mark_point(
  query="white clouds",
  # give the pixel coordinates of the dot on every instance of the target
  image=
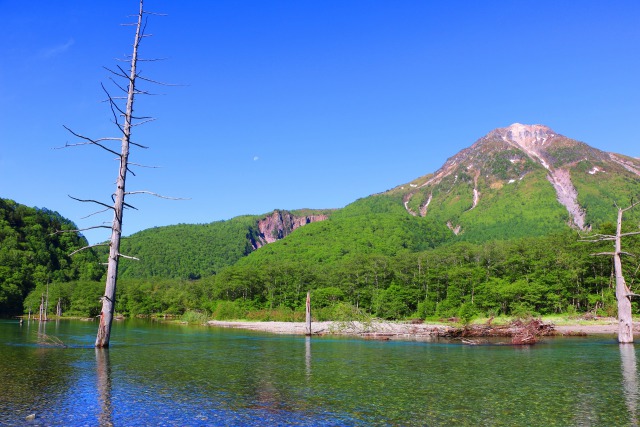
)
(256, 158)
(51, 52)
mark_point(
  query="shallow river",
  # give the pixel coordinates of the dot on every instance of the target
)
(159, 374)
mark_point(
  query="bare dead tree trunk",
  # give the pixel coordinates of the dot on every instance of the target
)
(623, 295)
(108, 300)
(308, 315)
(46, 304)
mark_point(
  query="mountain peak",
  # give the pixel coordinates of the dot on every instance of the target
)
(528, 137)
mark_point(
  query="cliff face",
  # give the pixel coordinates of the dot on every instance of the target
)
(279, 225)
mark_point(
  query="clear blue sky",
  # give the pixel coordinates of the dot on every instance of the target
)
(294, 104)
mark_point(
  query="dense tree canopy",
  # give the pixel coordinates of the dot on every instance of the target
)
(544, 275)
(32, 253)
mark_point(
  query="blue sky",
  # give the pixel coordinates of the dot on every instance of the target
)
(300, 104)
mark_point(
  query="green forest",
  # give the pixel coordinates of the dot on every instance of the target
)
(33, 252)
(522, 277)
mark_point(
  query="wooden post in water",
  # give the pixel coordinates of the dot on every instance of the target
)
(307, 329)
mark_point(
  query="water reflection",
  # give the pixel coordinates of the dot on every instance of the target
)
(307, 356)
(103, 375)
(630, 380)
(177, 375)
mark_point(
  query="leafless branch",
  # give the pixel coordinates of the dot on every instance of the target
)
(87, 247)
(157, 82)
(95, 142)
(128, 257)
(613, 253)
(67, 145)
(146, 92)
(633, 204)
(92, 201)
(117, 74)
(154, 194)
(138, 145)
(594, 239)
(144, 166)
(116, 83)
(113, 107)
(79, 230)
(95, 213)
(143, 122)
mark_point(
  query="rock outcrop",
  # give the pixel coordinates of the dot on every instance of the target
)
(280, 224)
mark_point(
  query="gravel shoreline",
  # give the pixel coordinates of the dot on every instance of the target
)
(396, 330)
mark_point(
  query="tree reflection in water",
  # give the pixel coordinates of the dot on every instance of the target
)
(103, 375)
(307, 356)
(630, 380)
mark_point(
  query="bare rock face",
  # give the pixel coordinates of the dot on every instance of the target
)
(280, 224)
(532, 140)
(528, 143)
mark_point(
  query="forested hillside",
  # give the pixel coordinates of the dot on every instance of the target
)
(31, 253)
(191, 251)
(527, 276)
(186, 250)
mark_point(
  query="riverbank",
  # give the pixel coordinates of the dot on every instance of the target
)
(379, 329)
(373, 328)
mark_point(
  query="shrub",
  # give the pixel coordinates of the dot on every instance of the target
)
(191, 316)
(228, 310)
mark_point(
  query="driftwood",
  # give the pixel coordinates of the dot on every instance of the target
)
(521, 332)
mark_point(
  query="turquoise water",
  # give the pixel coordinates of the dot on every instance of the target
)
(173, 375)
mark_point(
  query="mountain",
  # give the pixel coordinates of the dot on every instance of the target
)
(515, 182)
(523, 180)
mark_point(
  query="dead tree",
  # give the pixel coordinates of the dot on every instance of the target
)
(623, 294)
(125, 121)
(307, 328)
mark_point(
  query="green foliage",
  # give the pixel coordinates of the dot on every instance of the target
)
(426, 308)
(32, 253)
(228, 310)
(187, 251)
(192, 316)
(466, 313)
(325, 297)
(395, 302)
(341, 312)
